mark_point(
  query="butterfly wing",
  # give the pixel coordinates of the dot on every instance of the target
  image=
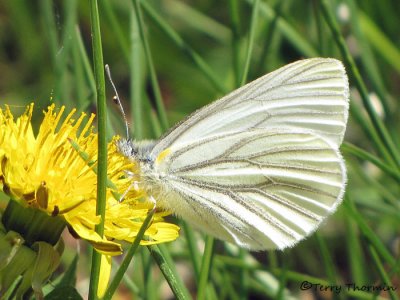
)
(309, 94)
(260, 167)
(260, 189)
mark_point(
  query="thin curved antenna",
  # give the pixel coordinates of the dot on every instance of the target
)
(117, 101)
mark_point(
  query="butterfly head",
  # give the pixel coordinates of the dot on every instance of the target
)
(137, 151)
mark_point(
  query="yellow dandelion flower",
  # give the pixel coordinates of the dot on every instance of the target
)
(55, 172)
(47, 172)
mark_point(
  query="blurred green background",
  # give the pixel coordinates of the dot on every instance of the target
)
(200, 50)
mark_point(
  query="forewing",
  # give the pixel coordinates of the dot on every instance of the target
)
(309, 94)
(261, 189)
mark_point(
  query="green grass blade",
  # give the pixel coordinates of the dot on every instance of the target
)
(355, 253)
(235, 26)
(148, 280)
(102, 142)
(382, 273)
(50, 28)
(367, 127)
(201, 22)
(89, 77)
(271, 32)
(118, 34)
(364, 155)
(192, 248)
(380, 42)
(378, 125)
(250, 44)
(61, 67)
(153, 77)
(368, 233)
(368, 58)
(185, 48)
(243, 277)
(136, 78)
(79, 75)
(205, 268)
(162, 258)
(295, 38)
(128, 257)
(388, 204)
(326, 260)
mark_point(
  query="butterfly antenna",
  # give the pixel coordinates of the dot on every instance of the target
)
(117, 101)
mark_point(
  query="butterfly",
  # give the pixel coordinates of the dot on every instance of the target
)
(259, 167)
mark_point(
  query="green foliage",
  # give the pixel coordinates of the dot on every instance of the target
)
(170, 57)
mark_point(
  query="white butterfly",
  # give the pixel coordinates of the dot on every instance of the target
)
(260, 167)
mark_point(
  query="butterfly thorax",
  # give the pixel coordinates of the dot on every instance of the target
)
(140, 152)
